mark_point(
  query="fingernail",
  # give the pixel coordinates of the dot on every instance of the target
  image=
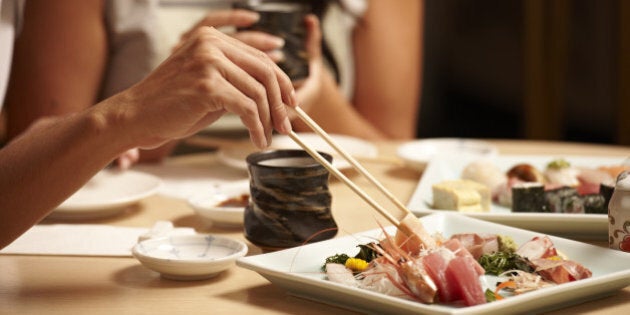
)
(276, 55)
(286, 126)
(278, 41)
(255, 16)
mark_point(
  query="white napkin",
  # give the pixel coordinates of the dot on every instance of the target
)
(82, 240)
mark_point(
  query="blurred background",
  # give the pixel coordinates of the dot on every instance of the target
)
(531, 69)
(520, 69)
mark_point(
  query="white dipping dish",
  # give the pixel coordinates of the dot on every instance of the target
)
(189, 257)
(418, 153)
(208, 206)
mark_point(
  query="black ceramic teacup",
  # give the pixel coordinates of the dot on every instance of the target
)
(284, 19)
(290, 200)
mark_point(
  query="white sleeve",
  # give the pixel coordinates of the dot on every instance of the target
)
(10, 22)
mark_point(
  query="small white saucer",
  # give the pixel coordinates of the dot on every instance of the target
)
(209, 206)
(189, 257)
(418, 153)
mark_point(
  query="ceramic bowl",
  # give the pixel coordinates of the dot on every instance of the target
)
(219, 208)
(189, 257)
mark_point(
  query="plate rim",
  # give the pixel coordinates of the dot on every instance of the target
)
(81, 208)
(401, 150)
(417, 202)
(616, 280)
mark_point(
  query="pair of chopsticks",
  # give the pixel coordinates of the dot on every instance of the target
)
(355, 164)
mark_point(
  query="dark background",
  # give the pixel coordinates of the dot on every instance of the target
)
(491, 65)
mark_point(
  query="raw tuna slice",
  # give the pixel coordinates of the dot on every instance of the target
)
(460, 251)
(464, 279)
(435, 265)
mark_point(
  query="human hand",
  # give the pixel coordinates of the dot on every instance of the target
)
(309, 89)
(238, 18)
(207, 76)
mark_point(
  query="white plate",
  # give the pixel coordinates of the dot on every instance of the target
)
(419, 152)
(189, 257)
(358, 148)
(298, 270)
(581, 226)
(107, 193)
(206, 205)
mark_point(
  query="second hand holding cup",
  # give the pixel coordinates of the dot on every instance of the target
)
(286, 20)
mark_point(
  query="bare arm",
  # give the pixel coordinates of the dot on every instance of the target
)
(387, 56)
(43, 166)
(388, 75)
(59, 61)
(211, 74)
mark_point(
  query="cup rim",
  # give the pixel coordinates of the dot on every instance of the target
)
(278, 7)
(257, 157)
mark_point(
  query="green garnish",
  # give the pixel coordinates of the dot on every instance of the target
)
(366, 252)
(490, 296)
(558, 164)
(507, 244)
(500, 262)
(335, 259)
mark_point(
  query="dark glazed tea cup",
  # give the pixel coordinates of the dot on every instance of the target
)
(290, 201)
(284, 19)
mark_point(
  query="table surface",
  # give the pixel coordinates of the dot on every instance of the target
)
(106, 285)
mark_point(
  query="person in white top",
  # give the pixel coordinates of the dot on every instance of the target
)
(208, 75)
(377, 48)
(376, 45)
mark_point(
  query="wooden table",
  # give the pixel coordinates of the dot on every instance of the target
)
(103, 285)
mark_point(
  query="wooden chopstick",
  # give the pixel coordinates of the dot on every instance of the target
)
(344, 179)
(355, 164)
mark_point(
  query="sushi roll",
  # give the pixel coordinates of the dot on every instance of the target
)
(591, 203)
(529, 197)
(595, 203)
(558, 199)
(572, 204)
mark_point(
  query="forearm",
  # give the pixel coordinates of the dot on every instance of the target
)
(50, 161)
(335, 114)
(58, 63)
(388, 54)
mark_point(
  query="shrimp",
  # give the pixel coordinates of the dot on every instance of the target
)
(413, 237)
(401, 270)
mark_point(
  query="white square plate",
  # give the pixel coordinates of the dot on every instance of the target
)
(298, 270)
(578, 226)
